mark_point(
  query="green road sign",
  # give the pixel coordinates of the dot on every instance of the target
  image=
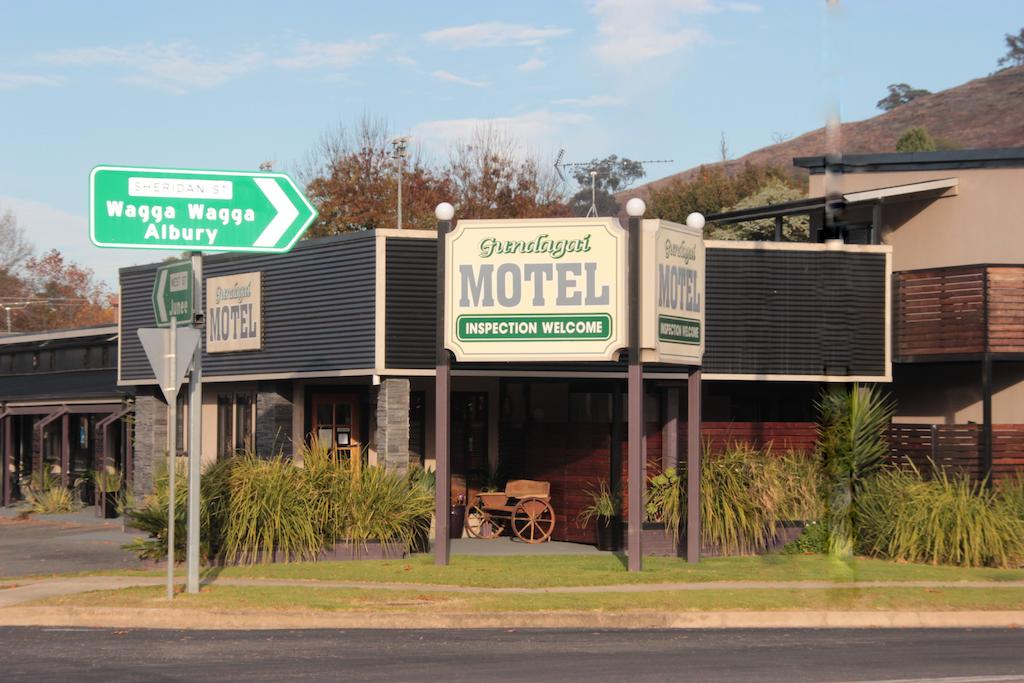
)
(172, 293)
(153, 208)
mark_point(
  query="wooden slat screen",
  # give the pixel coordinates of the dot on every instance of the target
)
(939, 311)
(943, 311)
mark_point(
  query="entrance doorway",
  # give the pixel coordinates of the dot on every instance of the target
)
(336, 422)
(469, 436)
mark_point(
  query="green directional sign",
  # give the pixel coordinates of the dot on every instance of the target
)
(172, 293)
(153, 208)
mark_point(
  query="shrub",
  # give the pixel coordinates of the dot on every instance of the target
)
(1010, 495)
(814, 539)
(745, 493)
(46, 496)
(939, 521)
(269, 510)
(386, 506)
(151, 516)
(851, 438)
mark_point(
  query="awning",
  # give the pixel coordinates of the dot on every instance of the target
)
(928, 189)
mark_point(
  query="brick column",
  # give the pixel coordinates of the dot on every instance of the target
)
(274, 419)
(392, 432)
(149, 452)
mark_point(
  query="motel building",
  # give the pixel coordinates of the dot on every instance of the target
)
(915, 282)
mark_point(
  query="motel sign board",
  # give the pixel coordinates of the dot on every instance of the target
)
(149, 208)
(535, 290)
(672, 299)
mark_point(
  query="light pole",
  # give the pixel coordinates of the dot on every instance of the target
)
(400, 146)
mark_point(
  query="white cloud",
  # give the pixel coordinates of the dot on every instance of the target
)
(532, 65)
(176, 67)
(746, 7)
(313, 55)
(493, 34)
(15, 81)
(50, 228)
(535, 129)
(405, 61)
(452, 78)
(634, 31)
(592, 101)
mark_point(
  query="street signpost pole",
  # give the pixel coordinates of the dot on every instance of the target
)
(195, 410)
(172, 433)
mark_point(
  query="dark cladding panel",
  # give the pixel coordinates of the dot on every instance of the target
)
(780, 312)
(318, 309)
(410, 306)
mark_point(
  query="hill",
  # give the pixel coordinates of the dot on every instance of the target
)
(983, 113)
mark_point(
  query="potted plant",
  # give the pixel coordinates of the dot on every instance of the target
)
(604, 510)
(664, 510)
(108, 487)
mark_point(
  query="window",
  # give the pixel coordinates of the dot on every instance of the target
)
(236, 423)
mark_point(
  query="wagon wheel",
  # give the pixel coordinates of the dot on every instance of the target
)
(482, 524)
(533, 520)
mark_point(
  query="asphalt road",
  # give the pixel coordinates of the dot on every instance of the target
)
(82, 655)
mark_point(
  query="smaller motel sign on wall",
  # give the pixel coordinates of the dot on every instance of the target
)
(234, 313)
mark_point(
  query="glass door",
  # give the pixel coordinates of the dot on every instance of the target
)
(336, 425)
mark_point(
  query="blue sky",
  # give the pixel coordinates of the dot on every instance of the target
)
(232, 84)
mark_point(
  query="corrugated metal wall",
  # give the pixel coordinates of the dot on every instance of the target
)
(795, 312)
(768, 311)
(411, 302)
(318, 309)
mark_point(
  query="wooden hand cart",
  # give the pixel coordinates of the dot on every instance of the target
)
(524, 506)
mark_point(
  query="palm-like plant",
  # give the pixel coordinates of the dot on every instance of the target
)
(851, 437)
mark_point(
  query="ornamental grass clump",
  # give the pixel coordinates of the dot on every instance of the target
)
(1010, 495)
(942, 520)
(739, 501)
(387, 507)
(269, 511)
(46, 496)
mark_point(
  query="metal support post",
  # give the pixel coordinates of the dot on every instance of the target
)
(195, 425)
(693, 446)
(442, 403)
(986, 418)
(635, 410)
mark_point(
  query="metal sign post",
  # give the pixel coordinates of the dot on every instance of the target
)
(170, 352)
(195, 411)
(172, 433)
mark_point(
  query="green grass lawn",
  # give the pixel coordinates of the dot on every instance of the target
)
(604, 570)
(525, 571)
(303, 599)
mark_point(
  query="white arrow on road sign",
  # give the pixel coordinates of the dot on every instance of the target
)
(161, 305)
(286, 212)
(157, 345)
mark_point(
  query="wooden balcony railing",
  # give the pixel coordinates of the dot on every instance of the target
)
(962, 310)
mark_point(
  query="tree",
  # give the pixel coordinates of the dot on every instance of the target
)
(900, 93)
(612, 175)
(916, 139)
(774, 191)
(713, 190)
(14, 248)
(352, 178)
(63, 295)
(1014, 50)
(492, 179)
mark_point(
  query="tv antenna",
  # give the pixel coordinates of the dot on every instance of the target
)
(594, 169)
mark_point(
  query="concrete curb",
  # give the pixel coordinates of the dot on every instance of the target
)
(191, 619)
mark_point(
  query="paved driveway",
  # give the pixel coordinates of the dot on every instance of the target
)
(62, 545)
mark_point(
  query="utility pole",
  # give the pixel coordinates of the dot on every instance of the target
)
(400, 146)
